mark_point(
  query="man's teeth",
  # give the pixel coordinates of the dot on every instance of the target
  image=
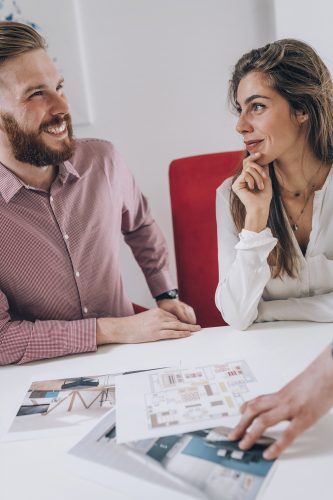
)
(57, 130)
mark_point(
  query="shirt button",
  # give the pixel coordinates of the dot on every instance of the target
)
(77, 274)
(66, 236)
(85, 310)
(51, 198)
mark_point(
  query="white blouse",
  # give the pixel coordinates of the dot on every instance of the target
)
(247, 292)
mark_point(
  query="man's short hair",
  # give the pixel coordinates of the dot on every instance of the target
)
(18, 38)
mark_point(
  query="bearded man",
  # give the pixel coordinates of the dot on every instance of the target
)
(64, 205)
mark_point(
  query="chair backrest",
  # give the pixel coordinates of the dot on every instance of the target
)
(193, 183)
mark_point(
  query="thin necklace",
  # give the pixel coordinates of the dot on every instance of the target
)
(298, 192)
(295, 222)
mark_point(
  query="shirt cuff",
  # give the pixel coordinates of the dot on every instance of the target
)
(82, 336)
(160, 282)
(251, 239)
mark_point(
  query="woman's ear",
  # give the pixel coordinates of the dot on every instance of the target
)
(301, 117)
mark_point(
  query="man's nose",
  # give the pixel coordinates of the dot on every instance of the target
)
(59, 104)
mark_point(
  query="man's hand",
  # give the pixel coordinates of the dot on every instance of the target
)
(181, 310)
(303, 401)
(148, 326)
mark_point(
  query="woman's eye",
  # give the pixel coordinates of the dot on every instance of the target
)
(258, 107)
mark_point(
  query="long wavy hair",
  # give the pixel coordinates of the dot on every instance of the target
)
(298, 74)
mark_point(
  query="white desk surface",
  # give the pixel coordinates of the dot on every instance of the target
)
(37, 469)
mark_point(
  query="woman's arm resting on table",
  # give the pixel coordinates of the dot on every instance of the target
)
(317, 308)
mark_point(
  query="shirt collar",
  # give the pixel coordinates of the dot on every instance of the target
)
(10, 184)
(67, 169)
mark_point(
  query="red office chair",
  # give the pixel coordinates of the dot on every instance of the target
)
(193, 183)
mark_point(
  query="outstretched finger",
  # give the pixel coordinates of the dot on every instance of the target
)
(261, 424)
(251, 410)
(294, 429)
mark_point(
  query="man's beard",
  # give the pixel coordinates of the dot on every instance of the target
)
(28, 147)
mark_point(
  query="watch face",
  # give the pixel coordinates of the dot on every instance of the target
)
(173, 294)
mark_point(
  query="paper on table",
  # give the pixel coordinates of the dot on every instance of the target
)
(63, 406)
(202, 464)
(172, 401)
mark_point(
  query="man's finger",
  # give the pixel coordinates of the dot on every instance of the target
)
(178, 325)
(187, 314)
(173, 334)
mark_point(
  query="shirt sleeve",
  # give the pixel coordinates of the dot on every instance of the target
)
(24, 341)
(142, 233)
(243, 267)
(317, 308)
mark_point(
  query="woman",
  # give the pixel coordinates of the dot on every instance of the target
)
(275, 229)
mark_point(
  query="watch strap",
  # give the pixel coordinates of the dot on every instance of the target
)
(170, 294)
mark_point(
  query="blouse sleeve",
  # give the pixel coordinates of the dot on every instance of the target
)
(243, 268)
(317, 308)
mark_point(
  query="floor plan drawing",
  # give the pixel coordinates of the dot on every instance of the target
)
(174, 400)
(205, 393)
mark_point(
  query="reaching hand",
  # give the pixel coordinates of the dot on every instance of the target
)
(303, 401)
(181, 310)
(147, 326)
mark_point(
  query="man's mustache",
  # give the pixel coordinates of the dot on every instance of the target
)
(56, 121)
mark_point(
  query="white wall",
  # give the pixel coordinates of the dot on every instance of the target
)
(158, 72)
(308, 21)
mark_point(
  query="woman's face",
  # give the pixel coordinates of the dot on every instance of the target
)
(266, 121)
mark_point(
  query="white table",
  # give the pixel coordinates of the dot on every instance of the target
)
(37, 469)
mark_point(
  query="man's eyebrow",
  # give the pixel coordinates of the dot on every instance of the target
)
(40, 87)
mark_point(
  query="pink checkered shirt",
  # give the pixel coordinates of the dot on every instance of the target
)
(59, 264)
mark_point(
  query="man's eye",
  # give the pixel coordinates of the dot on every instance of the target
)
(37, 93)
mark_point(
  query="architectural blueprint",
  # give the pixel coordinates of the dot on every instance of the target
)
(164, 402)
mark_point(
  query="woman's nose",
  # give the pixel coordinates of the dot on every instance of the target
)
(243, 125)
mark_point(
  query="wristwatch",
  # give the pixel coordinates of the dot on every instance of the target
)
(170, 294)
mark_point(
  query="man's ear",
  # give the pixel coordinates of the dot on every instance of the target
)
(301, 117)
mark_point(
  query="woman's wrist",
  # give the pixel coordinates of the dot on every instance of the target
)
(256, 221)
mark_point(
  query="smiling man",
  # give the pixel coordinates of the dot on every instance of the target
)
(64, 206)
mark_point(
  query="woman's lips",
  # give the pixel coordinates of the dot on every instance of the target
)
(251, 145)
